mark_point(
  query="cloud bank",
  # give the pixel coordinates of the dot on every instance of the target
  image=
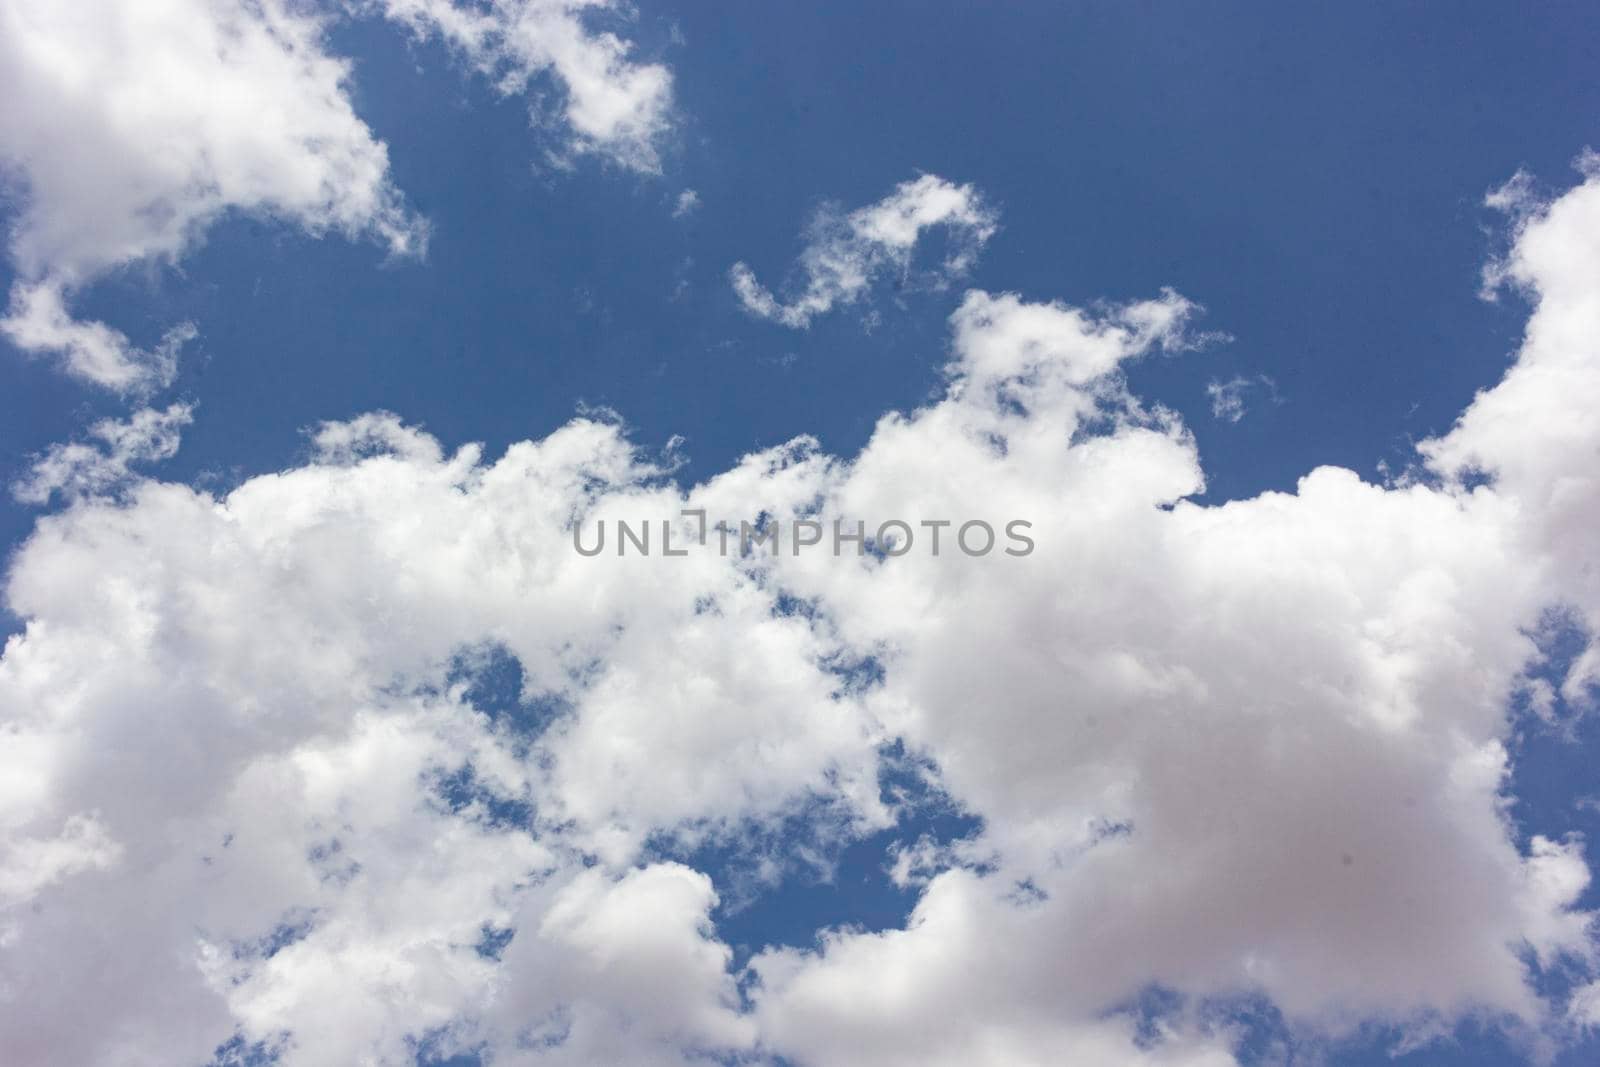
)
(256, 796)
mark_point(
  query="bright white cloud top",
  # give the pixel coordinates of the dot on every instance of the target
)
(846, 253)
(1249, 750)
(133, 128)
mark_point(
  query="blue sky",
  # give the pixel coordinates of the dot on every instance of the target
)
(1313, 181)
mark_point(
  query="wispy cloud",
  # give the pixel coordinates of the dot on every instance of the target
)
(1228, 397)
(79, 469)
(847, 253)
(611, 104)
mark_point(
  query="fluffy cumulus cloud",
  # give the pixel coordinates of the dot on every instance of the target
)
(847, 252)
(611, 104)
(1535, 433)
(130, 128)
(256, 793)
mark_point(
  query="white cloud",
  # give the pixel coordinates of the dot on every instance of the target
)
(1257, 749)
(1227, 398)
(33, 863)
(1535, 431)
(1583, 1007)
(1293, 707)
(846, 253)
(132, 127)
(612, 105)
(38, 322)
(79, 470)
(260, 755)
(623, 968)
(687, 204)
